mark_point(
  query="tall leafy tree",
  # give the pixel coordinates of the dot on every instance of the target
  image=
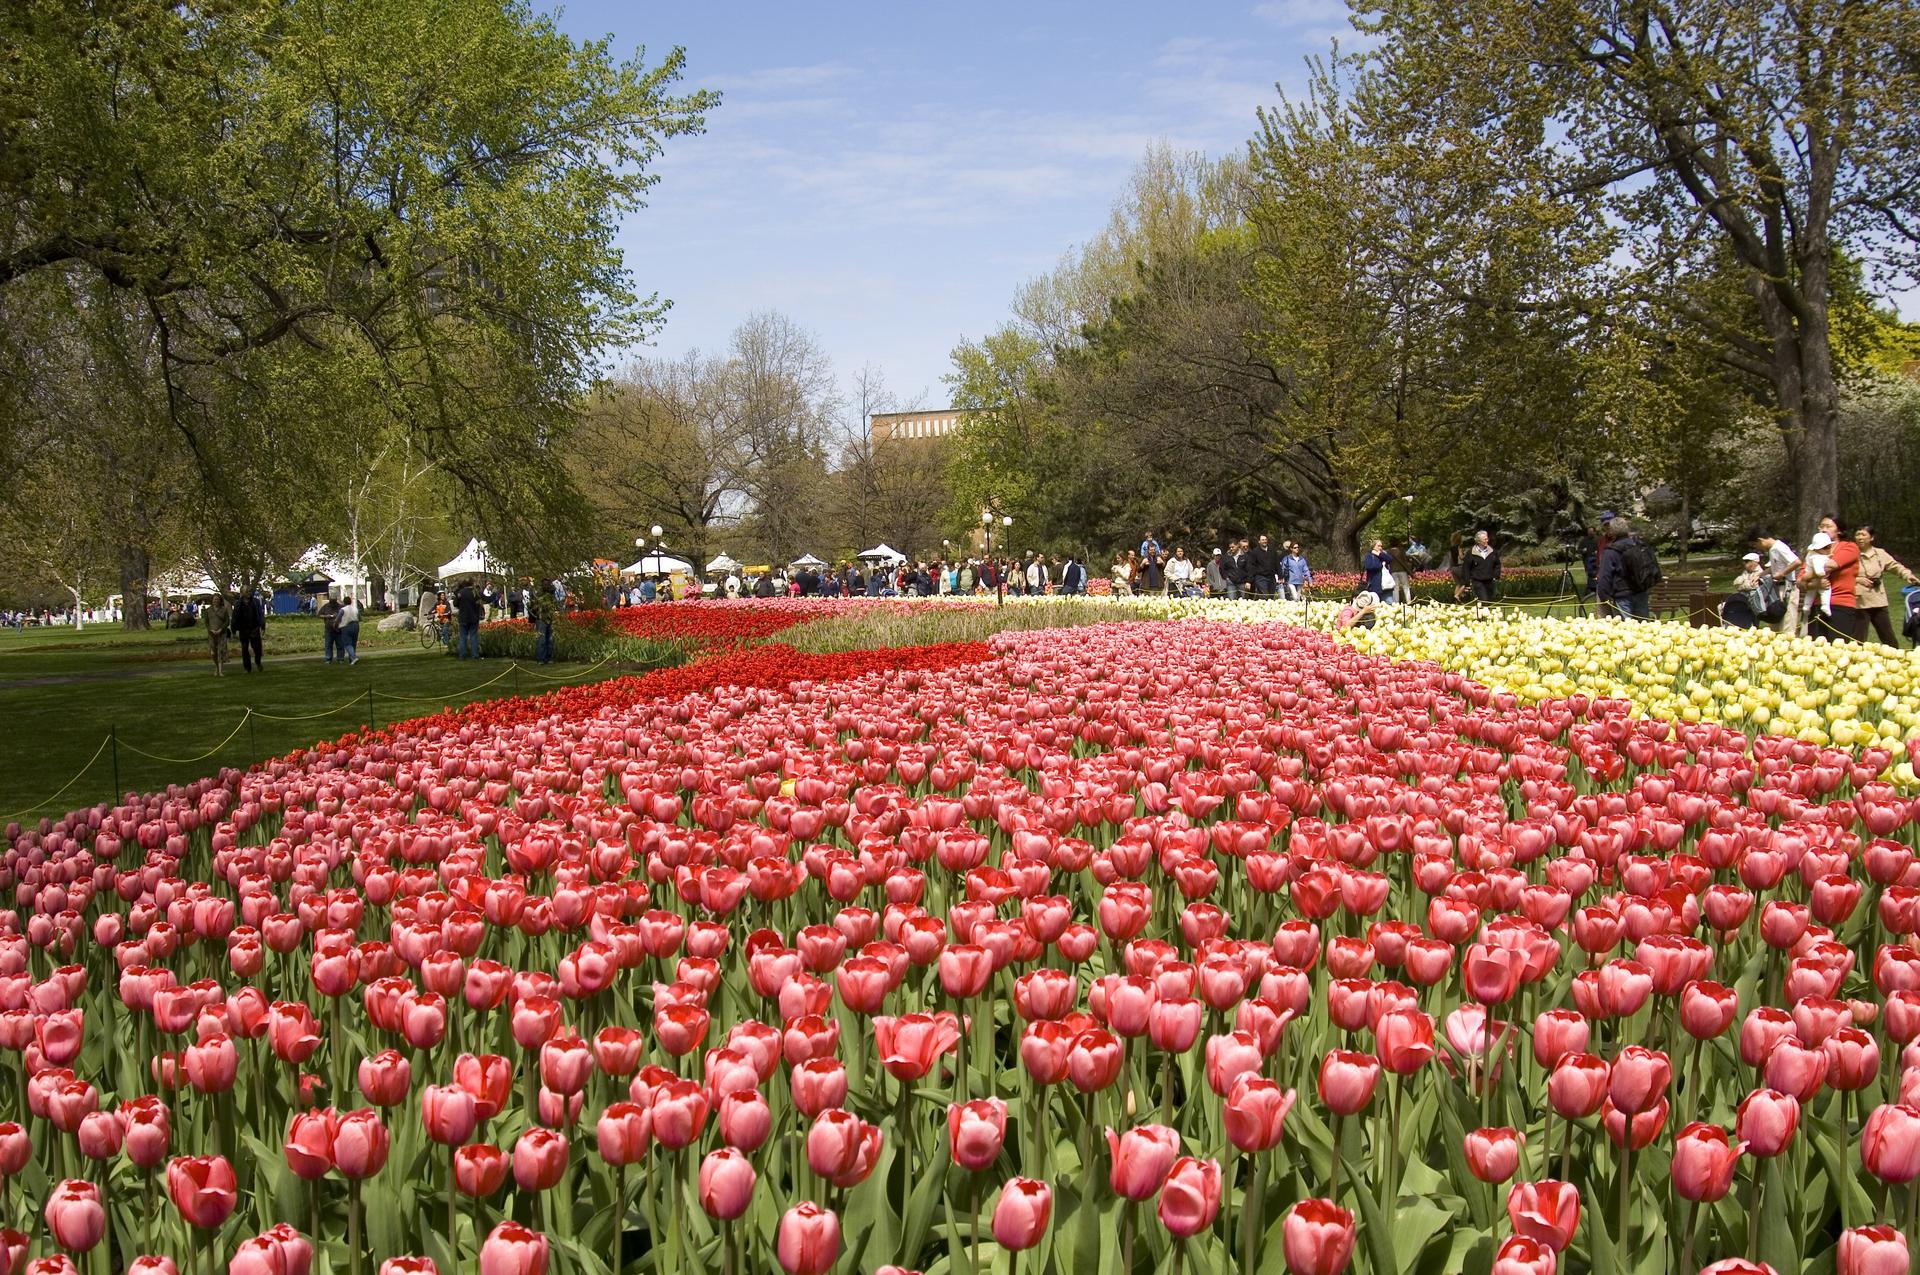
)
(409, 203)
(1777, 136)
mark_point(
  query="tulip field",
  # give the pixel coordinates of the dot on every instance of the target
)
(1163, 945)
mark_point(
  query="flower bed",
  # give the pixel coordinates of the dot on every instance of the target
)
(1852, 693)
(1231, 947)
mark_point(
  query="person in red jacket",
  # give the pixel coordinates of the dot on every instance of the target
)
(1842, 620)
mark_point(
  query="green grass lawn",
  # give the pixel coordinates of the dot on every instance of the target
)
(62, 692)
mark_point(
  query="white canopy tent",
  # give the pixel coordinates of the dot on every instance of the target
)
(320, 562)
(659, 564)
(474, 560)
(806, 560)
(883, 552)
(722, 564)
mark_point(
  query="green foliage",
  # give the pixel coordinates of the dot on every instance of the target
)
(309, 221)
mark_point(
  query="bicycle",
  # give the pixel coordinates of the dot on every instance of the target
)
(435, 633)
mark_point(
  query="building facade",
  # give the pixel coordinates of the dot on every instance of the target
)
(932, 423)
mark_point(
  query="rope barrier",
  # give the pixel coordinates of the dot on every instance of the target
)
(541, 677)
(355, 702)
(187, 761)
(50, 797)
(437, 699)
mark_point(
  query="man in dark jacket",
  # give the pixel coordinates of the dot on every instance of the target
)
(1483, 566)
(1263, 568)
(249, 625)
(1621, 561)
(1233, 565)
(1073, 578)
(467, 610)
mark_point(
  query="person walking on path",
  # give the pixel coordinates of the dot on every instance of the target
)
(249, 624)
(541, 611)
(1296, 577)
(349, 621)
(329, 613)
(467, 608)
(216, 616)
(1870, 592)
(1263, 568)
(1483, 567)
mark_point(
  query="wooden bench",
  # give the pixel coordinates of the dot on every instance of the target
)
(1686, 595)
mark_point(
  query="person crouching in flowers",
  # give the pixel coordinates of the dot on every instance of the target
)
(1359, 613)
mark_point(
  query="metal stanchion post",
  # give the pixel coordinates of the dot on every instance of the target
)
(113, 736)
(369, 704)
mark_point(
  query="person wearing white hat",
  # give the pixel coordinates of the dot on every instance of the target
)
(1746, 605)
(1815, 591)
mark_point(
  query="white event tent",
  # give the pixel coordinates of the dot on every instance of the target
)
(883, 552)
(474, 560)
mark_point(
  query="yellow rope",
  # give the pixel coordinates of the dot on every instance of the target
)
(541, 677)
(325, 712)
(187, 761)
(436, 699)
(49, 799)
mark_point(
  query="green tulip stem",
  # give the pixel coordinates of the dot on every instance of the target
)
(1756, 1198)
(1333, 1187)
(353, 1216)
(453, 1217)
(1626, 1189)
(1250, 1210)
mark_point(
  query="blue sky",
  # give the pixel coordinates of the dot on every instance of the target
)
(888, 174)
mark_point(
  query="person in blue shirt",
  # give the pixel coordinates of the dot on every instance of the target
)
(1376, 563)
(1295, 571)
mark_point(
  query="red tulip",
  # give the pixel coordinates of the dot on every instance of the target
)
(1493, 1154)
(808, 1241)
(279, 1250)
(512, 1249)
(1020, 1217)
(386, 1078)
(1255, 1113)
(1190, 1197)
(309, 1144)
(1890, 1143)
(1522, 1256)
(409, 1266)
(745, 1119)
(842, 1148)
(1141, 1159)
(539, 1159)
(1577, 1087)
(203, 1188)
(1347, 1081)
(148, 1133)
(75, 1216)
(818, 1084)
(1704, 1159)
(726, 1183)
(1638, 1080)
(1317, 1238)
(679, 1112)
(1547, 1212)
(911, 1044)
(449, 1114)
(1872, 1250)
(1094, 1060)
(360, 1144)
(1707, 1009)
(976, 1131)
(489, 1078)
(16, 1148)
(1766, 1122)
(623, 1132)
(479, 1169)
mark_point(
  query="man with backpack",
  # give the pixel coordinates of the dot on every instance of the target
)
(1628, 572)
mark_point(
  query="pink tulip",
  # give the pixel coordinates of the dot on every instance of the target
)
(976, 1131)
(726, 1183)
(808, 1240)
(512, 1249)
(1020, 1217)
(1190, 1198)
(1317, 1237)
(1872, 1250)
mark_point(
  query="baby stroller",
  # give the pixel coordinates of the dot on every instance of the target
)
(1910, 624)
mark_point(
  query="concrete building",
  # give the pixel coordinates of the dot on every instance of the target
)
(932, 423)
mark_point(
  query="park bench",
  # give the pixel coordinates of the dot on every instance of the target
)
(1685, 596)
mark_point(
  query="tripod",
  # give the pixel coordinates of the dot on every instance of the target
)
(1568, 586)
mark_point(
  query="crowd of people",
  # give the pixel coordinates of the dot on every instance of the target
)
(1836, 588)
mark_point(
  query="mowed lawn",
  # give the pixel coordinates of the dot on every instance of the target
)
(62, 694)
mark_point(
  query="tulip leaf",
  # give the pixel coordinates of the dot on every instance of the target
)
(1454, 1137)
(1465, 1250)
(927, 1193)
(1600, 1246)
(1375, 1234)
(1779, 1245)
(1855, 1208)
